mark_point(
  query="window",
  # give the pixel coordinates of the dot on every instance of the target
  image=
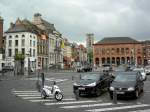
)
(33, 52)
(16, 42)
(23, 35)
(10, 36)
(16, 51)
(16, 36)
(122, 50)
(118, 50)
(23, 51)
(30, 52)
(31, 36)
(10, 43)
(23, 42)
(103, 51)
(33, 43)
(30, 42)
(127, 50)
(9, 52)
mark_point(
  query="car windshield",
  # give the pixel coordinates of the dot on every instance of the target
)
(125, 78)
(90, 77)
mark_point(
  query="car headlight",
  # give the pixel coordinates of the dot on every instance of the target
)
(112, 88)
(75, 84)
(92, 84)
(131, 89)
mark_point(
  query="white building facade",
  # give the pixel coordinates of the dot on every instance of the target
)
(21, 43)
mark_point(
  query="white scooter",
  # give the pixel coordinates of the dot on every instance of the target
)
(54, 91)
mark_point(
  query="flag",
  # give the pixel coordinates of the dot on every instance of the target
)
(62, 44)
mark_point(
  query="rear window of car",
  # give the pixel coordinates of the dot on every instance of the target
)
(125, 78)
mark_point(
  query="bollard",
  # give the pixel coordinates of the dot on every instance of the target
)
(115, 96)
(43, 79)
(77, 94)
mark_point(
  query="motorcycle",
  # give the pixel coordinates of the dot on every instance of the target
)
(54, 91)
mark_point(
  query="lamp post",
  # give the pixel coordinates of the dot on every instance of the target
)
(28, 63)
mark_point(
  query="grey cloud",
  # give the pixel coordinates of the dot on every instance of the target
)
(75, 18)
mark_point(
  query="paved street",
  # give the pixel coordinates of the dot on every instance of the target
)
(19, 94)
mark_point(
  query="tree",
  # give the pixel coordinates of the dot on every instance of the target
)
(19, 63)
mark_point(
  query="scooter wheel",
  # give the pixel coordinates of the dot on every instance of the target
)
(43, 94)
(58, 96)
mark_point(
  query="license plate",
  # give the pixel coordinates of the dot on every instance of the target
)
(81, 88)
(120, 92)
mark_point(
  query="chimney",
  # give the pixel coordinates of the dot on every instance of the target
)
(11, 25)
(37, 18)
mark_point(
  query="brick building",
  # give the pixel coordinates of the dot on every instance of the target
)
(146, 52)
(118, 50)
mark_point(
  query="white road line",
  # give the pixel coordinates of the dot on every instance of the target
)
(30, 95)
(27, 93)
(117, 108)
(74, 102)
(144, 110)
(46, 100)
(89, 105)
(24, 91)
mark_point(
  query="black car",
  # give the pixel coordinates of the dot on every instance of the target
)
(92, 83)
(7, 68)
(127, 84)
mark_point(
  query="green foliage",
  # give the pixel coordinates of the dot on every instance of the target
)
(19, 57)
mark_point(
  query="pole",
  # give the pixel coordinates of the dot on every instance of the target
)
(43, 79)
(115, 96)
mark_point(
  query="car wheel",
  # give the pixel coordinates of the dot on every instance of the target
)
(136, 94)
(98, 91)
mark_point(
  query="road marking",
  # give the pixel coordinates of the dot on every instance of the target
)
(89, 105)
(74, 102)
(45, 100)
(144, 110)
(117, 108)
(27, 93)
(30, 95)
(24, 91)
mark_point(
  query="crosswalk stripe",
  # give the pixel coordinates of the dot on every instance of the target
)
(117, 108)
(74, 102)
(27, 93)
(144, 110)
(30, 95)
(45, 100)
(24, 91)
(89, 105)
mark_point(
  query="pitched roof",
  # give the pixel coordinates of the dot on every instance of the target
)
(117, 40)
(23, 26)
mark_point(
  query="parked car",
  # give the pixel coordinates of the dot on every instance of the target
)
(7, 68)
(92, 84)
(80, 69)
(147, 70)
(142, 72)
(127, 84)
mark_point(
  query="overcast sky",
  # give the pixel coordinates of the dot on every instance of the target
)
(75, 18)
